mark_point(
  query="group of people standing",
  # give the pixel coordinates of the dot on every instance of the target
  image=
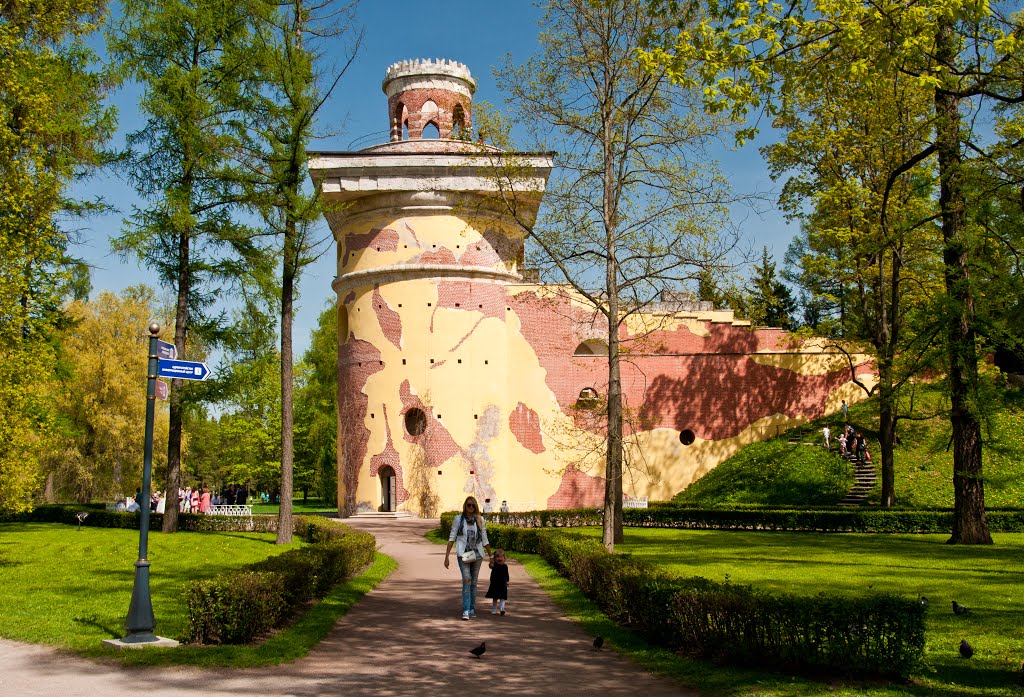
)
(849, 441)
(199, 499)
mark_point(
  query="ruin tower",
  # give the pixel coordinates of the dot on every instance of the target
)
(426, 253)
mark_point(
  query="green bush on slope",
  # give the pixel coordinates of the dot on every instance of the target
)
(774, 473)
(780, 473)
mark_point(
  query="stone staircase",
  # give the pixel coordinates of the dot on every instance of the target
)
(864, 478)
(383, 515)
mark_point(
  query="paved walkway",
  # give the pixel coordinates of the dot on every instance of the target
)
(405, 637)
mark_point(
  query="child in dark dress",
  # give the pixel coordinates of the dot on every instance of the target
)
(497, 590)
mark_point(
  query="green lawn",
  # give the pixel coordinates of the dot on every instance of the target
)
(989, 580)
(71, 589)
(298, 506)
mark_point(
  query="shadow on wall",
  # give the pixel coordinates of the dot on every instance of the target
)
(718, 396)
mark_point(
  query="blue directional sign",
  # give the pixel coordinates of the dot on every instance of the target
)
(165, 350)
(183, 370)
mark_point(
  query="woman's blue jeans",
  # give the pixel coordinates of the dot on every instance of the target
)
(470, 575)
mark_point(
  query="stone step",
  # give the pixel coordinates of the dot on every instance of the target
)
(386, 515)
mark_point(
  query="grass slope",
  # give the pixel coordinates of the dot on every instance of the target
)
(777, 472)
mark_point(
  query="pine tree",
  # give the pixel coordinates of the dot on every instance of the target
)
(190, 58)
(771, 303)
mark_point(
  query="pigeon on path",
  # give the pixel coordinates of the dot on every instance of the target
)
(598, 642)
(959, 609)
(966, 650)
(479, 650)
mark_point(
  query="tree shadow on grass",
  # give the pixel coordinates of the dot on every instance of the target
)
(94, 621)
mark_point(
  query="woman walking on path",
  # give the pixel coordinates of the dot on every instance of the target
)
(469, 535)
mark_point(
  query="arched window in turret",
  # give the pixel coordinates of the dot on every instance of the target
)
(460, 130)
(402, 119)
(431, 131)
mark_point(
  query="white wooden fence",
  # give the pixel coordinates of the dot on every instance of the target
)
(232, 509)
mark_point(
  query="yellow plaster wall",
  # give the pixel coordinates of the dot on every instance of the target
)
(457, 392)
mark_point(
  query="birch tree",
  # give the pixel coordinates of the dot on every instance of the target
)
(290, 91)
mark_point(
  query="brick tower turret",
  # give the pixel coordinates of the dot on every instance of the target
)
(422, 92)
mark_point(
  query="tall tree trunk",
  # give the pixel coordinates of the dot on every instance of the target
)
(612, 524)
(887, 439)
(173, 478)
(969, 523)
(284, 520)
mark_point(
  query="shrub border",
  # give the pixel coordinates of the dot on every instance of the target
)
(874, 635)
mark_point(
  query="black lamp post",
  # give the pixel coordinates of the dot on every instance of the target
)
(140, 622)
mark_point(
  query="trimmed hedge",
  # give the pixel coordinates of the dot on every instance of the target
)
(874, 635)
(788, 519)
(237, 607)
(101, 518)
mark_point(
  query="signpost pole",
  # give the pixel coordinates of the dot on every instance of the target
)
(141, 623)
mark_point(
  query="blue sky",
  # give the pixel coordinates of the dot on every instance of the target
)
(478, 34)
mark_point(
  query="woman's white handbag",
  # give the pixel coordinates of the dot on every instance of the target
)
(470, 556)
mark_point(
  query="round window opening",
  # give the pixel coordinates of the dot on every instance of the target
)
(415, 422)
(685, 437)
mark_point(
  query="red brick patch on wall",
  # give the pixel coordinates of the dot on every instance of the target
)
(577, 490)
(389, 320)
(437, 443)
(388, 457)
(525, 426)
(357, 361)
(380, 239)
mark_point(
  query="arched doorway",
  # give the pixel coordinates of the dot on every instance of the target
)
(388, 489)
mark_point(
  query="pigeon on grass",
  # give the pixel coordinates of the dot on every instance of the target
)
(966, 650)
(959, 609)
(479, 650)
